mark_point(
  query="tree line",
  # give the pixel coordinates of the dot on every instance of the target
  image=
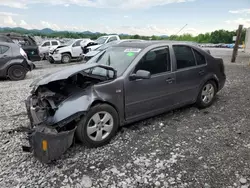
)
(218, 36)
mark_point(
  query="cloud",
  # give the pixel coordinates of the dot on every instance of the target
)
(243, 21)
(128, 4)
(240, 11)
(8, 14)
(8, 21)
(53, 26)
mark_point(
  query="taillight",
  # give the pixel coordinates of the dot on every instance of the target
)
(23, 53)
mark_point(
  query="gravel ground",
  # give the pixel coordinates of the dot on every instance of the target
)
(183, 148)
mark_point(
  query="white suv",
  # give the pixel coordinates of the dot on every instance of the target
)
(66, 52)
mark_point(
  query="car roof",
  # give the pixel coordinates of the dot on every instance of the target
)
(145, 44)
(9, 44)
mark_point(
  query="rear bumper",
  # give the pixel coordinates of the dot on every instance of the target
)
(222, 82)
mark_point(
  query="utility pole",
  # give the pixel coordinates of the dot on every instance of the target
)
(237, 43)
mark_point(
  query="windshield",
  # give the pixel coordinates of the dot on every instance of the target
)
(68, 43)
(101, 40)
(117, 57)
(105, 46)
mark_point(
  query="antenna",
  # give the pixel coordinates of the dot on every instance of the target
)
(181, 29)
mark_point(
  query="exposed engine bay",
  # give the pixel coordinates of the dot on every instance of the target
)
(46, 99)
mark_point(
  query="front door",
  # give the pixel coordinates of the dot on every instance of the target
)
(146, 96)
(76, 48)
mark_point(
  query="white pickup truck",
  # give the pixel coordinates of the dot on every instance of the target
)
(46, 46)
(99, 42)
(69, 51)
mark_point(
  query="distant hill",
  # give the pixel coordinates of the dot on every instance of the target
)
(48, 31)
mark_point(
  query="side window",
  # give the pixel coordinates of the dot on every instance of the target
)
(54, 43)
(4, 49)
(200, 59)
(112, 39)
(184, 56)
(155, 61)
(77, 43)
(46, 44)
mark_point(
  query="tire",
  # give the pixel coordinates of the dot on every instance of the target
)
(66, 58)
(88, 131)
(17, 72)
(206, 95)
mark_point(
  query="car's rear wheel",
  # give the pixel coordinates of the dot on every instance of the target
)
(17, 72)
(207, 94)
(66, 58)
(98, 126)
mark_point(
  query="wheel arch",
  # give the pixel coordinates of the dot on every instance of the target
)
(69, 53)
(96, 102)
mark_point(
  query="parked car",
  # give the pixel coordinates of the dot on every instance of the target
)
(91, 54)
(92, 45)
(127, 82)
(65, 53)
(14, 63)
(46, 46)
(27, 43)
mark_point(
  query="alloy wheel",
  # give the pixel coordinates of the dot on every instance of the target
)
(100, 126)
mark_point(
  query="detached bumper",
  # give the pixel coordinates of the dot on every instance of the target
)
(47, 144)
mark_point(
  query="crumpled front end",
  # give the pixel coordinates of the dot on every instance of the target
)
(48, 141)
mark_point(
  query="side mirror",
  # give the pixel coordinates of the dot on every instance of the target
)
(141, 74)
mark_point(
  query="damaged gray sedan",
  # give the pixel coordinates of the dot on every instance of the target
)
(129, 82)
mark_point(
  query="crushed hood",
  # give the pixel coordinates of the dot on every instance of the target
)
(92, 53)
(66, 73)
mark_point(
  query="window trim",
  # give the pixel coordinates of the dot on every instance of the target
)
(154, 49)
(54, 42)
(45, 43)
(5, 51)
(186, 68)
(73, 45)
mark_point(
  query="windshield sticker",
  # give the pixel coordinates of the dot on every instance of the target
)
(134, 50)
(130, 54)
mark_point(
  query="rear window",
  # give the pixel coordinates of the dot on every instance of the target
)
(54, 43)
(200, 59)
(184, 56)
(3, 49)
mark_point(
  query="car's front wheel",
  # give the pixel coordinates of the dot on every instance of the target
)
(98, 126)
(207, 94)
(66, 58)
(17, 72)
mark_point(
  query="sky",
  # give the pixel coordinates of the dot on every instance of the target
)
(143, 17)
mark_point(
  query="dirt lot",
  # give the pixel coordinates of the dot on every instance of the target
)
(183, 148)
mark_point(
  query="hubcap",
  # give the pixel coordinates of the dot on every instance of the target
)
(66, 59)
(207, 93)
(100, 126)
(17, 73)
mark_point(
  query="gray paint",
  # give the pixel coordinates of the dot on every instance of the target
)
(139, 99)
(11, 57)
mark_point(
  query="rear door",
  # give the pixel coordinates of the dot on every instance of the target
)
(190, 71)
(76, 48)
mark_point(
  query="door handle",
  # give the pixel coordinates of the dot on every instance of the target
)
(5, 56)
(170, 80)
(201, 72)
